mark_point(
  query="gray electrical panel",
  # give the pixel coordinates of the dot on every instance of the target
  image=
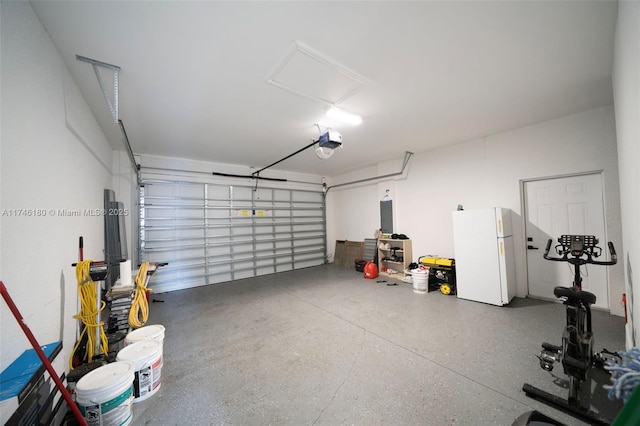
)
(386, 216)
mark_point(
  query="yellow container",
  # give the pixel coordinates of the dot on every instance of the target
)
(437, 261)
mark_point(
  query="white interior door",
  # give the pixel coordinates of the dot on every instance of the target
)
(574, 206)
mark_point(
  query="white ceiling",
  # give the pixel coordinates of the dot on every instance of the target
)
(194, 75)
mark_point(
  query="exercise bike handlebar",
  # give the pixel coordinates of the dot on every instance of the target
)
(589, 259)
(612, 253)
(546, 251)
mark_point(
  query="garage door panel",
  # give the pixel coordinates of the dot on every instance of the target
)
(211, 233)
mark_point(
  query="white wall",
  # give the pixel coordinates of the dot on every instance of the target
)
(627, 105)
(54, 158)
(488, 172)
(360, 218)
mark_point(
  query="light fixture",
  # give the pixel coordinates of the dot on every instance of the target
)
(323, 153)
(344, 116)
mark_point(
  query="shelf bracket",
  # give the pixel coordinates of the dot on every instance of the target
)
(113, 105)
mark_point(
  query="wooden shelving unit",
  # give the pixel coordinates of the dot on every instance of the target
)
(396, 258)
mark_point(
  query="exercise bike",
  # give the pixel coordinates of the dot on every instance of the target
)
(576, 352)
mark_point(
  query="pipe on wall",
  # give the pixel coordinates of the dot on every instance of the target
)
(407, 156)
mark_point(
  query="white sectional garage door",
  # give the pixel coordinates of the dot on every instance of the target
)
(213, 233)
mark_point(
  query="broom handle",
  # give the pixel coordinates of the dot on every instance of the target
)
(36, 346)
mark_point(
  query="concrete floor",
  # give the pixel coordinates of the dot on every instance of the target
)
(325, 346)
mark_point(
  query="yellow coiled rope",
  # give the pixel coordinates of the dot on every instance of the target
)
(139, 313)
(89, 315)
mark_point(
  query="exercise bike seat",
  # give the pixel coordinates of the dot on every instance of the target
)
(574, 295)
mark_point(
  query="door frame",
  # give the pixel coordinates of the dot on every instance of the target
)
(523, 220)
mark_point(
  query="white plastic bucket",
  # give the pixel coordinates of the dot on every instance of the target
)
(146, 357)
(420, 280)
(105, 394)
(149, 332)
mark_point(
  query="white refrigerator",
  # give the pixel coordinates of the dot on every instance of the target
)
(483, 246)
